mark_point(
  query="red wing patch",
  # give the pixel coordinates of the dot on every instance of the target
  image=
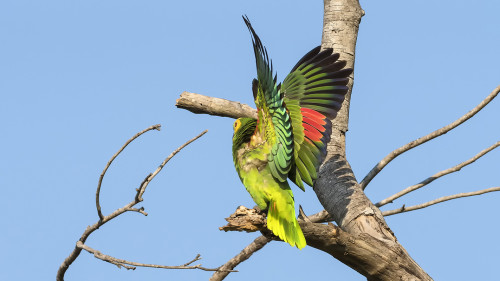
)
(313, 123)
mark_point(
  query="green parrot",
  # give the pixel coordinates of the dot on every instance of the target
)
(288, 140)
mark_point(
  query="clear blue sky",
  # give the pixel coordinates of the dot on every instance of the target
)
(78, 78)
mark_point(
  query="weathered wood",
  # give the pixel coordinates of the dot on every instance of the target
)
(362, 239)
(363, 253)
(201, 104)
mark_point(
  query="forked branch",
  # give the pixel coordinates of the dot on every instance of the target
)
(391, 156)
(347, 248)
(97, 203)
(133, 265)
(127, 208)
(250, 220)
(432, 178)
(404, 209)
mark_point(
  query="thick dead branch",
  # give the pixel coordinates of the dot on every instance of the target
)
(132, 265)
(404, 209)
(244, 219)
(201, 104)
(127, 208)
(250, 220)
(436, 176)
(350, 250)
(391, 156)
(336, 188)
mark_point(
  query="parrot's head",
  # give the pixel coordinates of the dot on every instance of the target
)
(241, 125)
(243, 130)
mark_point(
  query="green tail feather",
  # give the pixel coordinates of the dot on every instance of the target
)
(282, 222)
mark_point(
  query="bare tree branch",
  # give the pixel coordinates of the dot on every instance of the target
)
(139, 210)
(151, 176)
(245, 254)
(425, 182)
(404, 209)
(201, 104)
(127, 208)
(351, 250)
(391, 156)
(133, 265)
(244, 219)
(320, 217)
(98, 205)
(250, 220)
(323, 216)
(375, 252)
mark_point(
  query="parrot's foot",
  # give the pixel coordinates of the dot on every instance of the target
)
(260, 211)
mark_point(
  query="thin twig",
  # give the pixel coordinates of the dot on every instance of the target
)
(197, 258)
(391, 156)
(151, 176)
(436, 176)
(404, 209)
(245, 254)
(320, 217)
(132, 265)
(129, 207)
(98, 205)
(139, 210)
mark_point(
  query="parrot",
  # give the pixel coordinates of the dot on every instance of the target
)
(288, 139)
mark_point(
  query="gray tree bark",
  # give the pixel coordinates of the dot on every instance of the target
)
(362, 240)
(337, 188)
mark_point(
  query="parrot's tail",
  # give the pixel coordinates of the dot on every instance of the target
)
(282, 222)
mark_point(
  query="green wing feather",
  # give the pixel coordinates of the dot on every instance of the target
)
(289, 138)
(274, 120)
(313, 93)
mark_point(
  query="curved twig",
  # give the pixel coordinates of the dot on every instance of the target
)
(391, 156)
(127, 208)
(425, 182)
(151, 176)
(97, 203)
(132, 265)
(404, 209)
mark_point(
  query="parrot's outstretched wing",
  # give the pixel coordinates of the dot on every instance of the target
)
(273, 114)
(313, 93)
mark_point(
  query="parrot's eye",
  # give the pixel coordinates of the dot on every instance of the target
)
(236, 125)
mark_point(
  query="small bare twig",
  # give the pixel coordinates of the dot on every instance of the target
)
(98, 205)
(133, 265)
(139, 210)
(391, 156)
(320, 217)
(151, 176)
(404, 209)
(197, 258)
(245, 254)
(129, 207)
(436, 176)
